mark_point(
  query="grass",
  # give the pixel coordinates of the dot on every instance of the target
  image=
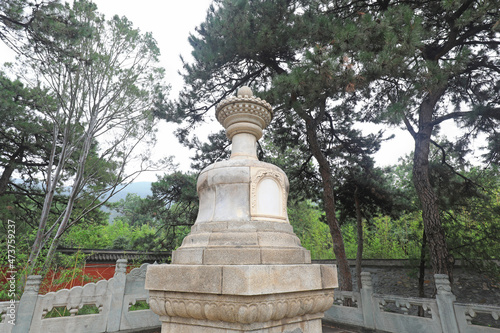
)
(139, 305)
(62, 311)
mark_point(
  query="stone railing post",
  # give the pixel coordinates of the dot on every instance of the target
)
(27, 304)
(445, 300)
(117, 293)
(366, 300)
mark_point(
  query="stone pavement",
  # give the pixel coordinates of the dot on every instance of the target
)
(329, 328)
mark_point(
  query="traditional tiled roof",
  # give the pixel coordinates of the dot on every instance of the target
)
(105, 255)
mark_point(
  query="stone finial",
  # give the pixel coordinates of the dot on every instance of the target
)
(245, 91)
(366, 280)
(442, 284)
(244, 113)
(121, 266)
(33, 284)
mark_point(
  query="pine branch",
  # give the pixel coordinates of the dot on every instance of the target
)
(443, 161)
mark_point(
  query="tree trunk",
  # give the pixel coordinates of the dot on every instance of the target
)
(75, 190)
(9, 168)
(345, 278)
(359, 253)
(52, 178)
(441, 259)
(421, 275)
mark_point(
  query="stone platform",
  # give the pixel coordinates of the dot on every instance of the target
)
(241, 298)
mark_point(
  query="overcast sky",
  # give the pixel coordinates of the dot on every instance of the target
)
(171, 21)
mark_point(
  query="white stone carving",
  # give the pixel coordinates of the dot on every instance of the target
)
(240, 309)
(265, 203)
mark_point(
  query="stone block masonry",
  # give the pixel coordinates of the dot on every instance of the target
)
(370, 310)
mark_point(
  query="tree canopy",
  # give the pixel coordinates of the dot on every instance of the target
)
(322, 65)
(101, 86)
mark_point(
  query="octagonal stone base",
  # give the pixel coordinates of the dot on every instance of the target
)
(301, 324)
(241, 298)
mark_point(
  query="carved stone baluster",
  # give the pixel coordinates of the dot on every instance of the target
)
(367, 304)
(73, 311)
(27, 304)
(469, 314)
(495, 314)
(445, 300)
(118, 291)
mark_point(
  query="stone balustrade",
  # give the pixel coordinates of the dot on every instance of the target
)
(114, 297)
(110, 300)
(389, 313)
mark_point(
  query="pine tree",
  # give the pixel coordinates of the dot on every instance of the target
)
(400, 62)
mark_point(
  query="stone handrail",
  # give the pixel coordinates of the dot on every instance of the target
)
(8, 312)
(112, 298)
(341, 296)
(406, 304)
(467, 312)
(390, 313)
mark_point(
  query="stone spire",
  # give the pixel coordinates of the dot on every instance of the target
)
(242, 216)
(244, 117)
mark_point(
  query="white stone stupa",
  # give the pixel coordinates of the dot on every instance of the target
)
(241, 269)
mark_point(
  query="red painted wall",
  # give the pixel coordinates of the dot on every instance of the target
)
(67, 278)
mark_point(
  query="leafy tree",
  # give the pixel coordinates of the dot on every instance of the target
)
(106, 85)
(26, 141)
(470, 214)
(312, 232)
(467, 197)
(368, 190)
(23, 133)
(20, 22)
(174, 206)
(209, 153)
(133, 210)
(118, 235)
(431, 54)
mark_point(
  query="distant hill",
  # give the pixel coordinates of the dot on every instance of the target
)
(142, 189)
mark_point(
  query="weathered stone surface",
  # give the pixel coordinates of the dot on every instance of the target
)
(234, 309)
(243, 280)
(185, 278)
(269, 279)
(329, 276)
(231, 256)
(231, 202)
(304, 324)
(193, 256)
(285, 256)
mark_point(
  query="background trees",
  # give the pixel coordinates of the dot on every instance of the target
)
(433, 55)
(101, 83)
(325, 67)
(25, 144)
(326, 64)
